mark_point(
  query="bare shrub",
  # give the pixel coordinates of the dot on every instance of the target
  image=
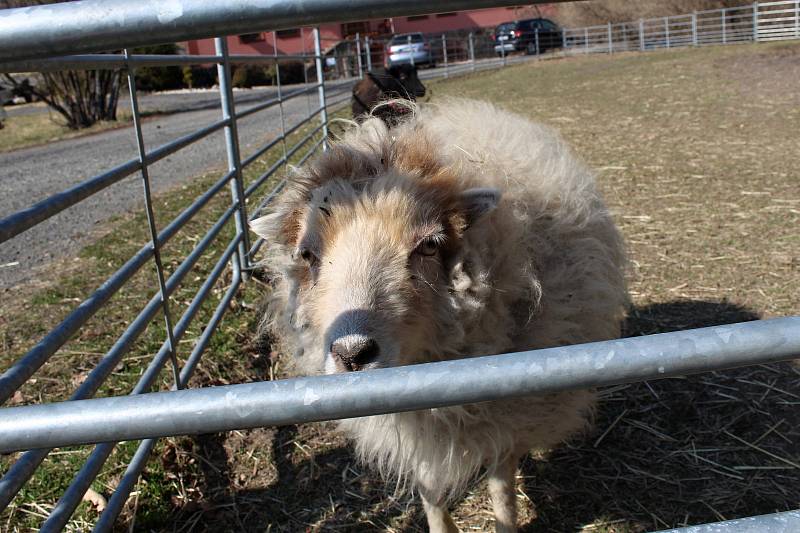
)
(81, 97)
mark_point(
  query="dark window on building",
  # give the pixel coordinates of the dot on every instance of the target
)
(448, 14)
(283, 34)
(417, 17)
(251, 37)
(351, 28)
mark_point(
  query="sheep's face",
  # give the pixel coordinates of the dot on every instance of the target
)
(370, 268)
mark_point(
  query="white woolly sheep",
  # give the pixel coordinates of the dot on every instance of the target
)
(464, 231)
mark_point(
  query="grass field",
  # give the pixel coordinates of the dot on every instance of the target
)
(696, 152)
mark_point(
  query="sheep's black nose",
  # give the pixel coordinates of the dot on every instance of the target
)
(355, 351)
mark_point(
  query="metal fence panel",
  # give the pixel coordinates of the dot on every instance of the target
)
(28, 37)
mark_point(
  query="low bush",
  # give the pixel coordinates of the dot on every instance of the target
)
(159, 78)
(196, 77)
(251, 75)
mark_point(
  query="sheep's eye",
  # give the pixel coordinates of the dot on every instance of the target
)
(427, 247)
(308, 256)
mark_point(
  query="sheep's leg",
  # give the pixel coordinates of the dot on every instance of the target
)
(439, 520)
(502, 489)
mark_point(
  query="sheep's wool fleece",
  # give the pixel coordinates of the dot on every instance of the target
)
(545, 268)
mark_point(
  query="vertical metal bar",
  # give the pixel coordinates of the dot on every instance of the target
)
(444, 53)
(641, 35)
(368, 46)
(797, 18)
(410, 50)
(610, 43)
(666, 31)
(755, 21)
(358, 56)
(232, 148)
(323, 115)
(563, 38)
(536, 37)
(724, 35)
(471, 42)
(694, 28)
(586, 40)
(151, 222)
(503, 51)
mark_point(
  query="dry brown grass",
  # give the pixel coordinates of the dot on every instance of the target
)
(696, 152)
(36, 129)
(577, 14)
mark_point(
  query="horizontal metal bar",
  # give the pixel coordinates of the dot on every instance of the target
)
(23, 368)
(72, 496)
(115, 61)
(103, 61)
(171, 147)
(25, 219)
(258, 182)
(101, 25)
(151, 373)
(125, 485)
(787, 522)
(24, 467)
(209, 329)
(274, 101)
(275, 191)
(106, 365)
(22, 220)
(399, 389)
(120, 496)
(252, 58)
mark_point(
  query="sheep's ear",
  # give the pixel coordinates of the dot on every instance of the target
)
(479, 202)
(266, 226)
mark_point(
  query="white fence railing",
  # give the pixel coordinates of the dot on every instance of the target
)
(760, 21)
(459, 52)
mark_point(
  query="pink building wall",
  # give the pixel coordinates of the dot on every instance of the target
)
(296, 41)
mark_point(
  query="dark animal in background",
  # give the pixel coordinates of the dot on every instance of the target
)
(400, 81)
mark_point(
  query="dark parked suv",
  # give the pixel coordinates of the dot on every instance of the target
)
(520, 35)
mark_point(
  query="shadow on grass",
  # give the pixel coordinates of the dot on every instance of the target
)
(310, 494)
(677, 451)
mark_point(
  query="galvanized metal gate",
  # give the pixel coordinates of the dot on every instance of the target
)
(29, 38)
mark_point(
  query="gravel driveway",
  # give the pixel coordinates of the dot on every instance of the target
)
(30, 175)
